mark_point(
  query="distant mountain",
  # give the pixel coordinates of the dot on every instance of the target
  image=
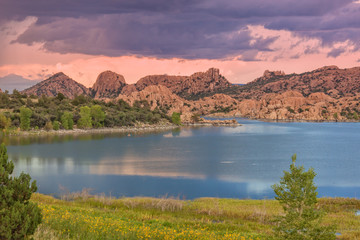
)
(58, 83)
(12, 81)
(108, 85)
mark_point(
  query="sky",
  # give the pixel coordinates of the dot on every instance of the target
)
(135, 38)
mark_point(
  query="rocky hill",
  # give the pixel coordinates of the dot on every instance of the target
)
(58, 83)
(330, 80)
(159, 96)
(327, 93)
(108, 85)
(188, 87)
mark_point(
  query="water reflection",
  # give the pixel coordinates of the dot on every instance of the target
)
(241, 162)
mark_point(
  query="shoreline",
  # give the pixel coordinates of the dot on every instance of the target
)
(281, 120)
(77, 131)
(129, 129)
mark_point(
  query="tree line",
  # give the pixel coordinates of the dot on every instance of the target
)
(19, 111)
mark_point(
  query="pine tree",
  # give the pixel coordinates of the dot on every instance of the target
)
(18, 216)
(298, 196)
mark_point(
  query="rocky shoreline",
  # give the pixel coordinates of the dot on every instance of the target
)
(215, 122)
(231, 115)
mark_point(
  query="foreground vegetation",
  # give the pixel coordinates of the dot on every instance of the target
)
(96, 217)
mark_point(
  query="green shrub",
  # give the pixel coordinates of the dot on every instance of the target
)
(56, 125)
(49, 126)
(175, 118)
(19, 217)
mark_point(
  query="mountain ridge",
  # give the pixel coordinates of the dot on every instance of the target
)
(328, 93)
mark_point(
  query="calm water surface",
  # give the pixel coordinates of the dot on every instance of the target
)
(226, 162)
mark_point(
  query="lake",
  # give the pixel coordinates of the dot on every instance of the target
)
(225, 162)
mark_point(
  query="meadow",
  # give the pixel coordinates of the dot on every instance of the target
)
(83, 216)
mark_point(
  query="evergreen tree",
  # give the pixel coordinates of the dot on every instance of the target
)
(18, 216)
(25, 115)
(298, 196)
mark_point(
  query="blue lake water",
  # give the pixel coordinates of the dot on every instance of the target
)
(226, 162)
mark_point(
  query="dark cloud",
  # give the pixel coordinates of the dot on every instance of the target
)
(178, 28)
(19, 83)
(338, 25)
(336, 52)
(138, 34)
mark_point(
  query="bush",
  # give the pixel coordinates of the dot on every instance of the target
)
(48, 126)
(298, 196)
(56, 125)
(18, 216)
(175, 118)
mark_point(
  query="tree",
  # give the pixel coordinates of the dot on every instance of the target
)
(195, 118)
(298, 196)
(19, 217)
(175, 118)
(97, 115)
(48, 126)
(60, 97)
(25, 115)
(56, 125)
(67, 120)
(85, 117)
(4, 121)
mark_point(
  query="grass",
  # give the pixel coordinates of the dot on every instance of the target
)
(99, 217)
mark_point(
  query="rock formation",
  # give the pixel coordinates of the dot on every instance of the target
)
(58, 83)
(327, 93)
(330, 80)
(108, 85)
(184, 86)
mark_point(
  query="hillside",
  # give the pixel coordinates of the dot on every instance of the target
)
(188, 87)
(58, 83)
(331, 80)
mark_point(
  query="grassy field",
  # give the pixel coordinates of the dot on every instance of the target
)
(96, 217)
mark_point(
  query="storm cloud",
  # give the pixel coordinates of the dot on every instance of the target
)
(189, 29)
